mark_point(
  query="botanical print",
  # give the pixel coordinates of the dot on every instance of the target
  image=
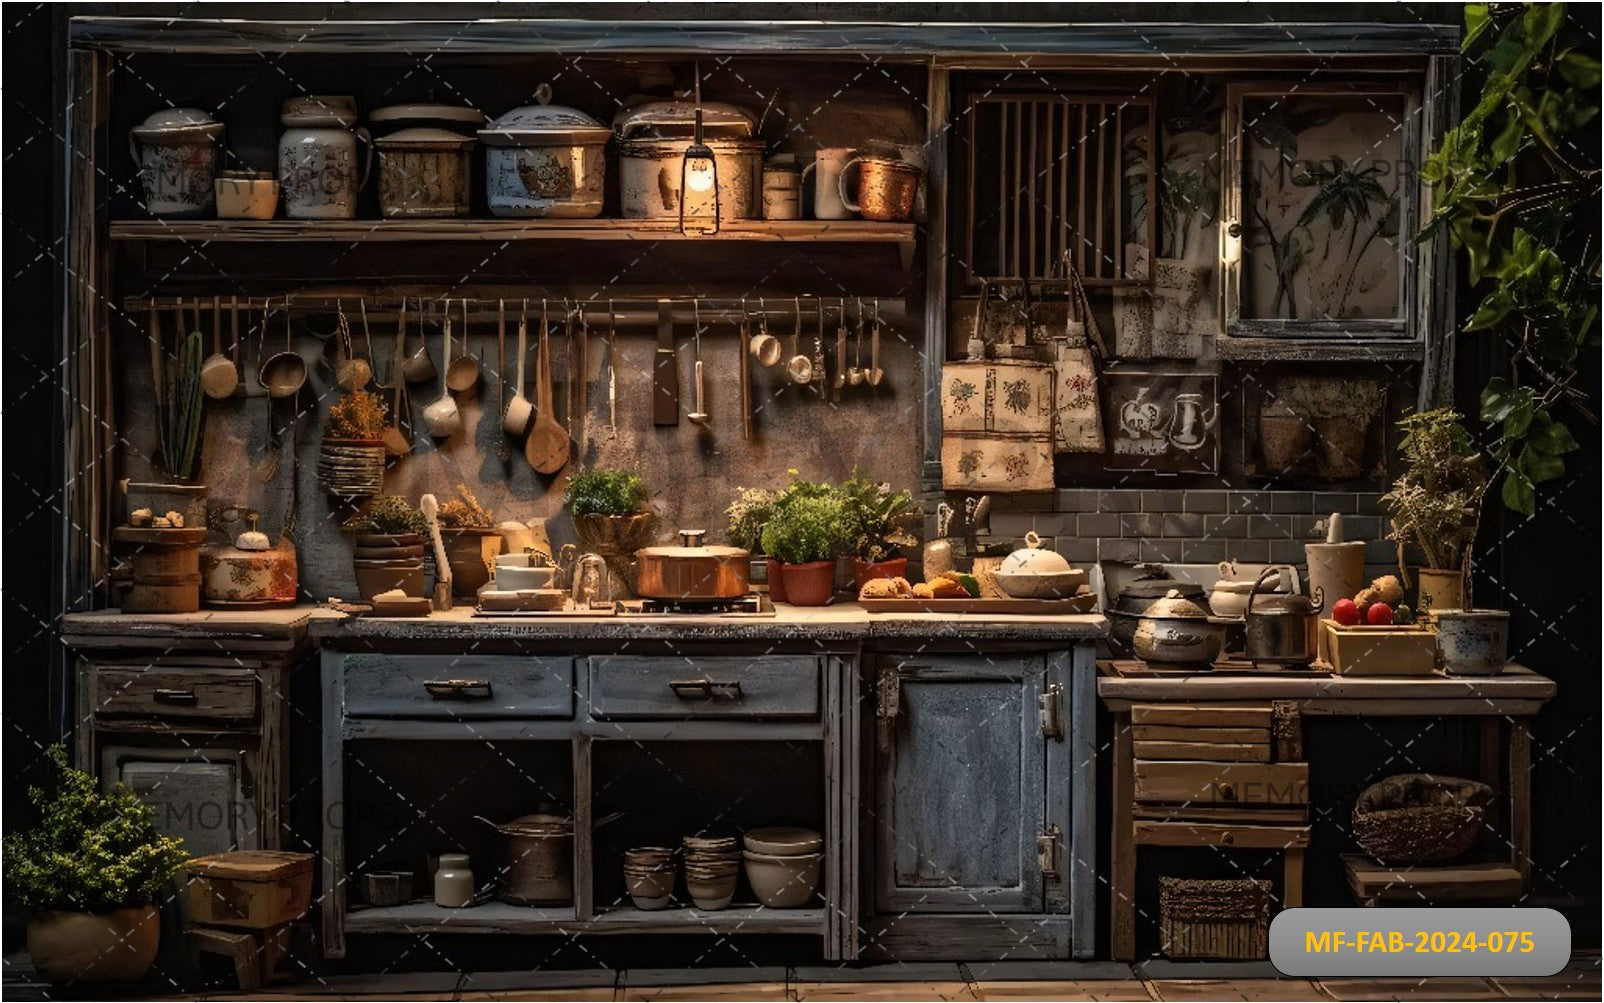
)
(962, 393)
(1015, 467)
(1017, 396)
(969, 462)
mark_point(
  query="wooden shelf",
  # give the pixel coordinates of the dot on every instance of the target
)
(1354, 349)
(847, 231)
(502, 917)
(1418, 884)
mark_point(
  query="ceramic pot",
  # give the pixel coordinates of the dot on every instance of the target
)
(545, 161)
(775, 579)
(317, 157)
(864, 571)
(782, 190)
(652, 140)
(783, 882)
(811, 584)
(540, 855)
(115, 946)
(1439, 589)
(472, 556)
(250, 571)
(176, 150)
(1473, 642)
(1178, 630)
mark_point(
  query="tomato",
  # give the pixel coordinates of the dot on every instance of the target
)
(1378, 615)
(1345, 612)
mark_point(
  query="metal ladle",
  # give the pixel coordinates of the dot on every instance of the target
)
(462, 374)
(698, 414)
(442, 417)
(800, 367)
(419, 367)
(876, 374)
(284, 373)
(218, 374)
(855, 372)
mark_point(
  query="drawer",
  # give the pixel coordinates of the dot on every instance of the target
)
(1256, 717)
(762, 687)
(1267, 784)
(458, 686)
(121, 691)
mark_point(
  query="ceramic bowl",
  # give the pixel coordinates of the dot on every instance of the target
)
(651, 889)
(783, 882)
(1040, 585)
(246, 195)
(784, 841)
(510, 578)
(711, 894)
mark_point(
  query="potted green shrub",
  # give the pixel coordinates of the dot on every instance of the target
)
(1435, 504)
(89, 874)
(876, 523)
(611, 518)
(472, 544)
(351, 458)
(805, 535)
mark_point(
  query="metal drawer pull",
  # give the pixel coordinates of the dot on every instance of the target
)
(705, 689)
(164, 694)
(458, 689)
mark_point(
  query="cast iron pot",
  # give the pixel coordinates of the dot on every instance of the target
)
(1133, 601)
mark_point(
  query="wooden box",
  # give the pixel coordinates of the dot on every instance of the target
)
(1378, 651)
(249, 889)
(1214, 919)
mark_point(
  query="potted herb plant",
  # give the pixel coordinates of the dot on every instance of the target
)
(387, 548)
(468, 531)
(805, 535)
(748, 514)
(611, 518)
(351, 459)
(876, 524)
(89, 874)
(178, 434)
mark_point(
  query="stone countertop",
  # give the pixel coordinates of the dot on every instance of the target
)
(846, 622)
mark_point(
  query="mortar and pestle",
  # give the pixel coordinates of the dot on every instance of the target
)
(1336, 568)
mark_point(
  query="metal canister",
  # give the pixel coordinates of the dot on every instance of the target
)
(782, 189)
(1281, 629)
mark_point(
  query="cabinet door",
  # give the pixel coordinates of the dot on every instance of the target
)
(196, 794)
(961, 784)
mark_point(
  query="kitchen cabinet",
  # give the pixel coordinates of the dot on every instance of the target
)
(977, 791)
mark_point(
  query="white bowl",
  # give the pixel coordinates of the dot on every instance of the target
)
(1042, 585)
(783, 882)
(783, 840)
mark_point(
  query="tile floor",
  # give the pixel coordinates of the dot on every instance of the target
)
(935, 982)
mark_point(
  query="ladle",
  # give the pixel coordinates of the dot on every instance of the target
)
(284, 373)
(841, 350)
(765, 347)
(351, 371)
(515, 421)
(219, 375)
(462, 374)
(800, 367)
(419, 367)
(442, 417)
(698, 414)
(855, 372)
(396, 441)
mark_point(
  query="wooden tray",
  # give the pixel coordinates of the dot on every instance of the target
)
(410, 606)
(1083, 603)
(1363, 650)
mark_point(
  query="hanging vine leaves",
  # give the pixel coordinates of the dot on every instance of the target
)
(1516, 186)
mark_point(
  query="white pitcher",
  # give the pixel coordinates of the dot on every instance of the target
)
(317, 157)
(828, 164)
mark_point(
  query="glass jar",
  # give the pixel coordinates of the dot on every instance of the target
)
(453, 882)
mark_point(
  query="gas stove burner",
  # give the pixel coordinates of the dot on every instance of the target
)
(751, 604)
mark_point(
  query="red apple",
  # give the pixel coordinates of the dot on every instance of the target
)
(1345, 612)
(1378, 615)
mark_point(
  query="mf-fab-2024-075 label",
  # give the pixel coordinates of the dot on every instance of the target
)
(1332, 943)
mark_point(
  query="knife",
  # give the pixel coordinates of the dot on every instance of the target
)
(665, 370)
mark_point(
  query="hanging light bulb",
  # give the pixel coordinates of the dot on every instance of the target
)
(698, 170)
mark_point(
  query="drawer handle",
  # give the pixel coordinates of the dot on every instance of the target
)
(1225, 791)
(705, 689)
(168, 695)
(458, 689)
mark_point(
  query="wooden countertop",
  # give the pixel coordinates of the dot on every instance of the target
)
(841, 622)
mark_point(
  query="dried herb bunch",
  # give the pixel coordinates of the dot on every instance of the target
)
(465, 512)
(1436, 502)
(387, 514)
(357, 415)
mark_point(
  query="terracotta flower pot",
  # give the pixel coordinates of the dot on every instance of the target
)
(472, 556)
(864, 571)
(114, 946)
(776, 580)
(811, 584)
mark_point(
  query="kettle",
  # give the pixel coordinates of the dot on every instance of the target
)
(250, 572)
(1281, 629)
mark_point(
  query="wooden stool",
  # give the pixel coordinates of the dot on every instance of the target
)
(243, 905)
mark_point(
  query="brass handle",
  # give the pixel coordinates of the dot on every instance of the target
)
(1225, 792)
(1227, 838)
(175, 696)
(1235, 229)
(705, 689)
(458, 689)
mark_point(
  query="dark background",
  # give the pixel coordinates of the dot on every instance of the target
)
(1543, 569)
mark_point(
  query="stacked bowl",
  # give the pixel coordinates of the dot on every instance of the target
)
(649, 876)
(782, 865)
(712, 864)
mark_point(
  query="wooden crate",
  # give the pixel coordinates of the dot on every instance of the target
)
(249, 889)
(1222, 920)
(1378, 651)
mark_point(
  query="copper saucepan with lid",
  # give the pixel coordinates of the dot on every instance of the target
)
(692, 570)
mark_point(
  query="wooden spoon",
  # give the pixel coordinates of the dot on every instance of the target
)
(442, 417)
(548, 444)
(430, 507)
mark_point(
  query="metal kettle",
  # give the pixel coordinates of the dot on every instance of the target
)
(1281, 629)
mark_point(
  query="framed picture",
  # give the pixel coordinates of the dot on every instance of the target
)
(1162, 421)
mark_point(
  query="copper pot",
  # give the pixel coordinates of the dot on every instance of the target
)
(886, 188)
(692, 570)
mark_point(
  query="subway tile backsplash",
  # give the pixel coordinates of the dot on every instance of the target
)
(1197, 527)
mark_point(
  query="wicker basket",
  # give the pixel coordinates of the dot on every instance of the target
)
(1214, 919)
(1417, 818)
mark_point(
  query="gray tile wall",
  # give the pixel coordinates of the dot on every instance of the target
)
(1193, 527)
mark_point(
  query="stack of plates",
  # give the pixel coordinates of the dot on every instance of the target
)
(351, 471)
(712, 864)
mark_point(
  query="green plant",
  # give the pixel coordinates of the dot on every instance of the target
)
(749, 513)
(1435, 504)
(605, 492)
(807, 528)
(357, 415)
(178, 413)
(465, 512)
(1516, 185)
(91, 851)
(876, 518)
(387, 514)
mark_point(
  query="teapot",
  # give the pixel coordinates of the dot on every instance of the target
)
(251, 571)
